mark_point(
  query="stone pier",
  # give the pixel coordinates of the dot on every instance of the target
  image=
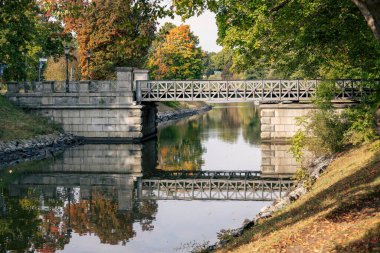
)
(276, 159)
(95, 110)
(279, 121)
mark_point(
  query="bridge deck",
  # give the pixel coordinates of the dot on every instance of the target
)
(246, 90)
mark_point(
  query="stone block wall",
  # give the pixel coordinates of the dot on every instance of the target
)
(101, 158)
(118, 123)
(278, 121)
(95, 110)
(275, 158)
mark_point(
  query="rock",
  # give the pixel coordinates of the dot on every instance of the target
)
(298, 192)
(175, 115)
(33, 149)
(319, 167)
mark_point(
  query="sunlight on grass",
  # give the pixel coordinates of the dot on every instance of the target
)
(340, 213)
(16, 123)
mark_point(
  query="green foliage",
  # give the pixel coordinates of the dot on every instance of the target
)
(298, 145)
(324, 95)
(298, 39)
(222, 61)
(172, 104)
(26, 34)
(361, 124)
(325, 130)
(209, 67)
(303, 175)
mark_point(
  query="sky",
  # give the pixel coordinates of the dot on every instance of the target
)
(203, 26)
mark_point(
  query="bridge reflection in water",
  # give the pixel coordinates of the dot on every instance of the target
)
(214, 185)
(127, 173)
(107, 189)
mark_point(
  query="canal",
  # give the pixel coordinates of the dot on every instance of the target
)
(166, 195)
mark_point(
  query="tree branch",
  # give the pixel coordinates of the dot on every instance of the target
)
(279, 6)
(370, 9)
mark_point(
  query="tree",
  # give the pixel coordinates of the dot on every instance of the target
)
(118, 32)
(25, 35)
(371, 12)
(56, 68)
(296, 38)
(207, 63)
(178, 57)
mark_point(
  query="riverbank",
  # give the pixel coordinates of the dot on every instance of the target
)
(17, 123)
(27, 137)
(340, 213)
(180, 110)
(36, 148)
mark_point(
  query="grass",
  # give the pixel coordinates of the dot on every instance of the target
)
(341, 213)
(172, 104)
(16, 123)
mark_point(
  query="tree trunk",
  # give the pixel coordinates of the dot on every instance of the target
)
(377, 120)
(371, 12)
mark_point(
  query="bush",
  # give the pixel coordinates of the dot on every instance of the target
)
(326, 131)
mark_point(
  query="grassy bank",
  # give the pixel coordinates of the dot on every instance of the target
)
(16, 123)
(341, 213)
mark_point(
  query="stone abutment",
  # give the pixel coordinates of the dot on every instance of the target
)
(95, 110)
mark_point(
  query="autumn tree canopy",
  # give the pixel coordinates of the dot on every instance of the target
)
(178, 56)
(117, 32)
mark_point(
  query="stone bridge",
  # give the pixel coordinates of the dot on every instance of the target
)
(125, 111)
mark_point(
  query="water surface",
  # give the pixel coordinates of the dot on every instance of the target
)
(95, 198)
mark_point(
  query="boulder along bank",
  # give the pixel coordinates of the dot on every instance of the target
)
(39, 147)
(167, 116)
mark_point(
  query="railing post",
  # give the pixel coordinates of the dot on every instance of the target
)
(138, 91)
(84, 86)
(139, 75)
(227, 89)
(298, 90)
(192, 90)
(209, 90)
(12, 87)
(48, 87)
(124, 79)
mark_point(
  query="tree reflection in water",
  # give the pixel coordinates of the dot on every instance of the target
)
(180, 145)
(101, 216)
(35, 223)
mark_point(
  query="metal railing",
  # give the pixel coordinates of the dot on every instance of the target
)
(247, 90)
